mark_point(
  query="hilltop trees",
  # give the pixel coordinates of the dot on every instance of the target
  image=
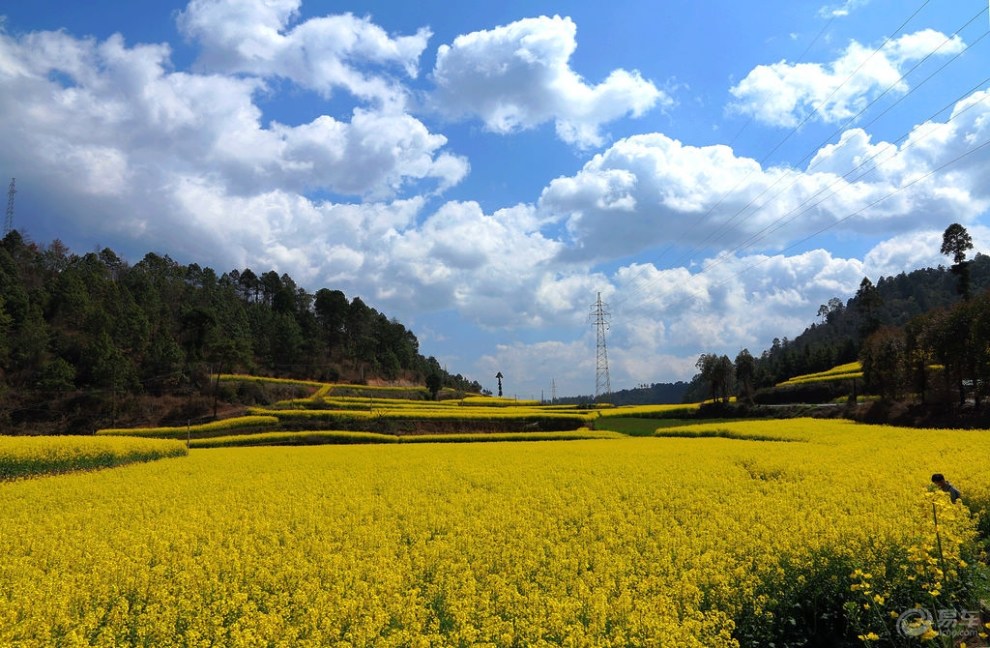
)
(942, 354)
(81, 335)
(841, 330)
(915, 333)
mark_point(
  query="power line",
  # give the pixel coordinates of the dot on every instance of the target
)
(979, 147)
(755, 238)
(763, 160)
(749, 121)
(790, 173)
(832, 188)
(801, 208)
(698, 297)
(865, 165)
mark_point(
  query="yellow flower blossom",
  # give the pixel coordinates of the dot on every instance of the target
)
(684, 542)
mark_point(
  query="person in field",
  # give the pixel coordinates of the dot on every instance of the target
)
(939, 480)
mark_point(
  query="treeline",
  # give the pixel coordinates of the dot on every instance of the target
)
(913, 308)
(842, 327)
(81, 334)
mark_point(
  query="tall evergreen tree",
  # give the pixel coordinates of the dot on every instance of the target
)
(956, 241)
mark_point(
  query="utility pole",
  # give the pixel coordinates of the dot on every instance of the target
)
(8, 223)
(603, 385)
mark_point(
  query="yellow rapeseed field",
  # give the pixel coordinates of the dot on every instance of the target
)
(26, 456)
(848, 371)
(213, 428)
(702, 542)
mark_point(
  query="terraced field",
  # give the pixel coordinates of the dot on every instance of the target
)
(355, 414)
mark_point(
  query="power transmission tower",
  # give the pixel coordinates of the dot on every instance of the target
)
(553, 390)
(603, 385)
(8, 223)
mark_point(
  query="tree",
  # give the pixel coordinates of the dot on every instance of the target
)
(868, 302)
(331, 308)
(57, 377)
(828, 312)
(113, 263)
(29, 345)
(359, 325)
(706, 367)
(980, 345)
(224, 354)
(162, 367)
(433, 383)
(718, 372)
(948, 337)
(885, 362)
(919, 354)
(286, 296)
(6, 322)
(249, 284)
(56, 257)
(197, 326)
(109, 370)
(725, 374)
(286, 342)
(835, 308)
(956, 241)
(745, 373)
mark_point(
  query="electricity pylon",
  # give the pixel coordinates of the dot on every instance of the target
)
(603, 385)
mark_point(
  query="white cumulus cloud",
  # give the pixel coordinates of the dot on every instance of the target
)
(783, 93)
(117, 131)
(518, 76)
(651, 190)
(258, 37)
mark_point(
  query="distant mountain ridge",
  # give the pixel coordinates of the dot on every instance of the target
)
(656, 393)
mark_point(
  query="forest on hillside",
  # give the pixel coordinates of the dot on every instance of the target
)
(842, 327)
(89, 340)
(923, 335)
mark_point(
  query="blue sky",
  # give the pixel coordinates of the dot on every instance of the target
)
(481, 171)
